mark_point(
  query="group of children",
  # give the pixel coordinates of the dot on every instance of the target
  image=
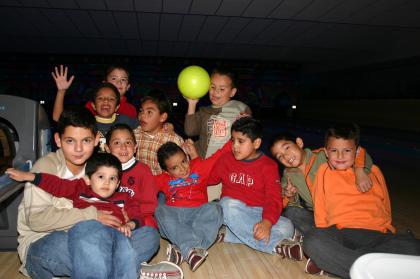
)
(102, 224)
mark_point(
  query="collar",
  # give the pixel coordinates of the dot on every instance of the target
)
(106, 120)
(129, 164)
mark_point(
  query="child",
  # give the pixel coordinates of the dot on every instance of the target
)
(97, 189)
(105, 102)
(187, 220)
(251, 192)
(150, 134)
(349, 223)
(212, 124)
(137, 180)
(117, 75)
(301, 167)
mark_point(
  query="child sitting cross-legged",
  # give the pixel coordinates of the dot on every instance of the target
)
(251, 193)
(97, 189)
(187, 220)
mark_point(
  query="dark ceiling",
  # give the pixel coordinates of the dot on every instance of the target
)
(319, 34)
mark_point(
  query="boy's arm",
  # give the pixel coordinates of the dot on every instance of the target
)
(62, 83)
(320, 212)
(273, 204)
(362, 167)
(192, 119)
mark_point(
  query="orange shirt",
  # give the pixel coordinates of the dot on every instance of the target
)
(338, 202)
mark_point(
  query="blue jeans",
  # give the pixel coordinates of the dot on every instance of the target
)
(190, 227)
(49, 257)
(145, 242)
(99, 251)
(240, 220)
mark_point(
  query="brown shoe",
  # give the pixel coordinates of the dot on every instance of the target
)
(290, 249)
(312, 268)
(173, 254)
(196, 257)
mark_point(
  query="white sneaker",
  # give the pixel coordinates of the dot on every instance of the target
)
(162, 270)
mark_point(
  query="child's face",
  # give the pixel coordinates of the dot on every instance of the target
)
(289, 154)
(119, 78)
(243, 147)
(221, 90)
(104, 181)
(105, 103)
(77, 144)
(151, 120)
(177, 165)
(341, 153)
(122, 145)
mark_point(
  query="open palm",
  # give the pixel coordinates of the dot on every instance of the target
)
(60, 77)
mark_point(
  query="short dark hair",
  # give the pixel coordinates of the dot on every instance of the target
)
(119, 126)
(98, 160)
(79, 117)
(166, 151)
(110, 68)
(282, 136)
(110, 86)
(343, 131)
(226, 72)
(249, 127)
(159, 98)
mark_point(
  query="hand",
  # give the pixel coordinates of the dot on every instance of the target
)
(243, 114)
(192, 105)
(363, 181)
(168, 127)
(125, 229)
(189, 147)
(107, 219)
(60, 77)
(125, 214)
(262, 230)
(20, 175)
(290, 190)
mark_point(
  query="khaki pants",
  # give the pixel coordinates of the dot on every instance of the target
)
(214, 192)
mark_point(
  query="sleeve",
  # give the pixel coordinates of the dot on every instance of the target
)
(58, 187)
(147, 197)
(273, 204)
(215, 175)
(192, 124)
(213, 159)
(320, 211)
(46, 213)
(88, 105)
(248, 110)
(363, 160)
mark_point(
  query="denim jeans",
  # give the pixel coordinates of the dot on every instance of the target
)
(190, 227)
(145, 242)
(335, 250)
(302, 219)
(99, 251)
(240, 220)
(49, 257)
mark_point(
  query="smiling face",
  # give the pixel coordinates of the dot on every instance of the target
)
(151, 120)
(177, 165)
(77, 144)
(341, 153)
(243, 147)
(122, 145)
(290, 154)
(221, 90)
(104, 181)
(119, 78)
(105, 103)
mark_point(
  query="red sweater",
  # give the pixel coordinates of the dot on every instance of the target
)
(190, 191)
(83, 196)
(255, 182)
(125, 108)
(138, 182)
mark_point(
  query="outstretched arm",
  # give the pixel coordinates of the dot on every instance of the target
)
(20, 175)
(62, 83)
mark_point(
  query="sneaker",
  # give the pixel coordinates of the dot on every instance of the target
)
(196, 257)
(162, 270)
(312, 268)
(173, 254)
(221, 234)
(297, 236)
(290, 249)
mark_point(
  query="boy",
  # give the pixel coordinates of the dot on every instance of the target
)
(115, 74)
(138, 181)
(96, 189)
(187, 220)
(349, 223)
(212, 124)
(251, 193)
(150, 135)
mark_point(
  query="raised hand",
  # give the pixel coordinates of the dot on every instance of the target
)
(60, 77)
(290, 190)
